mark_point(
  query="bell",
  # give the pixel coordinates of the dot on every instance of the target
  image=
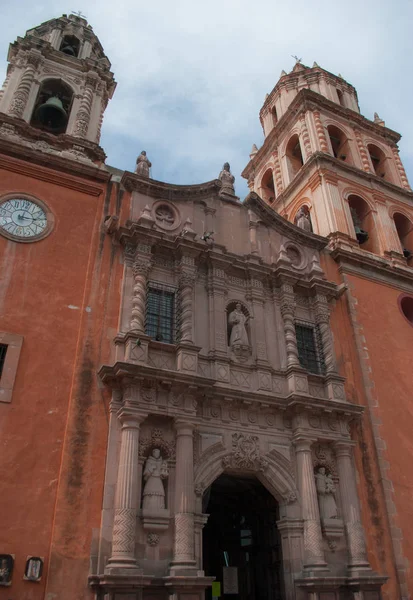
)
(361, 235)
(68, 49)
(52, 114)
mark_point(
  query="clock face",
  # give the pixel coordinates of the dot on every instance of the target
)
(22, 219)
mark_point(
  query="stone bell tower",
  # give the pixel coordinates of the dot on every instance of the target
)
(57, 88)
(321, 156)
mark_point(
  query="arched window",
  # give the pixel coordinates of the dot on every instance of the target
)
(274, 116)
(52, 108)
(339, 144)
(340, 97)
(363, 222)
(70, 45)
(267, 186)
(378, 158)
(405, 232)
(294, 156)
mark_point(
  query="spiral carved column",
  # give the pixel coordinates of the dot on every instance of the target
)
(141, 270)
(277, 173)
(127, 494)
(351, 508)
(288, 306)
(313, 539)
(184, 542)
(363, 151)
(21, 95)
(186, 286)
(320, 132)
(322, 315)
(306, 137)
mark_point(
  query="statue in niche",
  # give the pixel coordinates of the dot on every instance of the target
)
(6, 568)
(142, 165)
(156, 469)
(227, 180)
(303, 220)
(237, 321)
(325, 491)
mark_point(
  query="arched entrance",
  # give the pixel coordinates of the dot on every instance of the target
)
(241, 543)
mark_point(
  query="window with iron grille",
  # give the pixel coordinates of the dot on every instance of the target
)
(3, 351)
(160, 322)
(309, 346)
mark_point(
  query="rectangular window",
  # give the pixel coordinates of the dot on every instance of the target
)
(161, 312)
(3, 351)
(309, 346)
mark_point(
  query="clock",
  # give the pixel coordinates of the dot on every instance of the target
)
(23, 219)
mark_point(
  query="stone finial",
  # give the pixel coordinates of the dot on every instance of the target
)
(187, 231)
(340, 75)
(315, 65)
(254, 151)
(142, 165)
(145, 218)
(227, 180)
(283, 73)
(377, 120)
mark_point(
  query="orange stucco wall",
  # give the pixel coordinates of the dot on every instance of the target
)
(62, 295)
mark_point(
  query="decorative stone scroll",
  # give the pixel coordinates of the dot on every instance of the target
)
(245, 454)
(157, 441)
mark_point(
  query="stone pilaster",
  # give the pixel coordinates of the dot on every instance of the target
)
(322, 315)
(288, 307)
(21, 95)
(141, 269)
(127, 497)
(313, 540)
(400, 168)
(184, 540)
(257, 298)
(277, 173)
(306, 138)
(356, 544)
(365, 161)
(83, 114)
(321, 135)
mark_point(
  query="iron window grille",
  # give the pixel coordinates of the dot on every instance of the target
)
(310, 347)
(161, 321)
(3, 351)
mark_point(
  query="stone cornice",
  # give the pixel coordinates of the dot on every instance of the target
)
(268, 215)
(169, 191)
(309, 100)
(58, 171)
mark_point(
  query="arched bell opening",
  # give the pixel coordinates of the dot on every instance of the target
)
(52, 107)
(404, 229)
(294, 156)
(241, 542)
(339, 144)
(364, 226)
(379, 160)
(70, 45)
(267, 187)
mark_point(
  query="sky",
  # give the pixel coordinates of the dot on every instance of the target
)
(192, 76)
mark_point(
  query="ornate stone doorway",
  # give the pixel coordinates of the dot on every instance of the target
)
(241, 533)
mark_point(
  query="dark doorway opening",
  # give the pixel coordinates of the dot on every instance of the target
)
(241, 532)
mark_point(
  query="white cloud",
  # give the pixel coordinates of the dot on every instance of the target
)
(192, 76)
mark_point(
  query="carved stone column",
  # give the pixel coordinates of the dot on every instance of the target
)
(184, 541)
(351, 509)
(313, 540)
(322, 315)
(127, 497)
(85, 108)
(186, 289)
(141, 269)
(21, 95)
(288, 313)
(365, 161)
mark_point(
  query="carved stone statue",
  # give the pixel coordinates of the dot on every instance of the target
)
(155, 470)
(142, 165)
(325, 491)
(237, 321)
(227, 180)
(303, 219)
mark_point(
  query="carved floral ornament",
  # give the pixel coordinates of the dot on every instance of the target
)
(166, 215)
(156, 440)
(245, 454)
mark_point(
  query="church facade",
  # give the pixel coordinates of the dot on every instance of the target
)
(200, 396)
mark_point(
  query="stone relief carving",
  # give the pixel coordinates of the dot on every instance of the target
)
(164, 214)
(245, 454)
(142, 165)
(153, 539)
(157, 440)
(156, 469)
(325, 492)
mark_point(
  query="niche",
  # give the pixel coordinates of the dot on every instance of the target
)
(339, 144)
(404, 229)
(378, 159)
(70, 45)
(267, 187)
(364, 226)
(294, 156)
(52, 107)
